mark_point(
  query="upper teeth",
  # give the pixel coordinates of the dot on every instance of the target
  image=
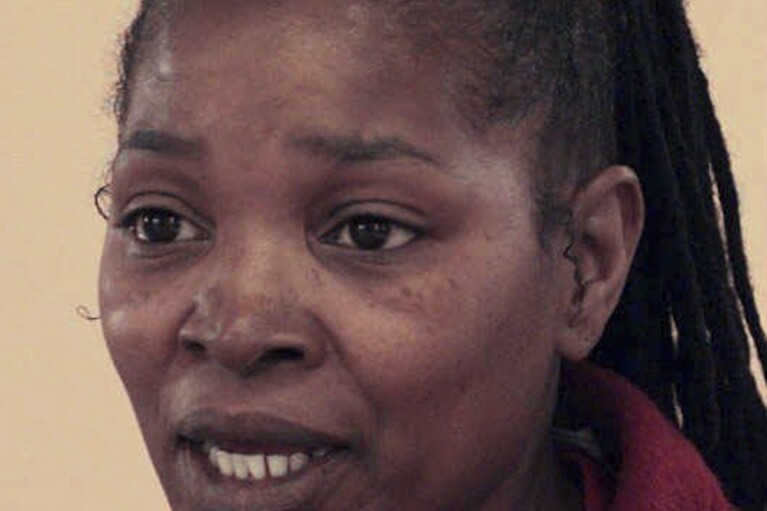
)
(260, 466)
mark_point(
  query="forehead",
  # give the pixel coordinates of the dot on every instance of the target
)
(232, 25)
(378, 39)
(230, 72)
(253, 63)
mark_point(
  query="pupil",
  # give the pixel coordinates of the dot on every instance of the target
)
(160, 227)
(370, 232)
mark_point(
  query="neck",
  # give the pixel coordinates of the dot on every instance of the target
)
(552, 489)
(547, 488)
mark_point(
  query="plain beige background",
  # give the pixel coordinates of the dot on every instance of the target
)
(69, 438)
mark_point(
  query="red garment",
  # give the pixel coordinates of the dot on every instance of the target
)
(660, 470)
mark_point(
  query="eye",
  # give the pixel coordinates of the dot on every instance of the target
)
(371, 232)
(159, 225)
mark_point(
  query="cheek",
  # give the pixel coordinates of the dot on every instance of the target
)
(132, 329)
(457, 367)
(139, 322)
(446, 323)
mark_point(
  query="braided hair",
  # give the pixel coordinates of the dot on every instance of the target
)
(621, 82)
(681, 331)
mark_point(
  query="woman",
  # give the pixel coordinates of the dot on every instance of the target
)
(359, 251)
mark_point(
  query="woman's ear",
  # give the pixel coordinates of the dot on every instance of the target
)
(603, 234)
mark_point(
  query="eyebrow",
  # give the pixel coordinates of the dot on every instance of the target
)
(353, 149)
(341, 149)
(160, 142)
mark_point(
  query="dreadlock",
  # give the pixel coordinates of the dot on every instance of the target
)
(623, 80)
(679, 330)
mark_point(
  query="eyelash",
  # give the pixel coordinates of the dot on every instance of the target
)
(380, 236)
(182, 226)
(366, 232)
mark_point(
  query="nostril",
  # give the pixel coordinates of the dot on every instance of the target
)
(194, 347)
(284, 354)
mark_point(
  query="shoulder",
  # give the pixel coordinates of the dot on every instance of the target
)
(648, 464)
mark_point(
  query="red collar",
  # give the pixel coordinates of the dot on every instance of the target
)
(659, 468)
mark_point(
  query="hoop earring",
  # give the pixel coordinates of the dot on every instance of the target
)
(102, 201)
(85, 313)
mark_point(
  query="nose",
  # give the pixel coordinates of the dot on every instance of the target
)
(248, 318)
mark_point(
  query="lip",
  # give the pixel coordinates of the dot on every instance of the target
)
(251, 432)
(254, 432)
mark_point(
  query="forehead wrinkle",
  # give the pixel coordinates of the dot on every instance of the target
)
(345, 152)
(352, 148)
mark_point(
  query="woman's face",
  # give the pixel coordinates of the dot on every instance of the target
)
(321, 288)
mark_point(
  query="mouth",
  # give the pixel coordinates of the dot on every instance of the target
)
(251, 452)
(257, 464)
